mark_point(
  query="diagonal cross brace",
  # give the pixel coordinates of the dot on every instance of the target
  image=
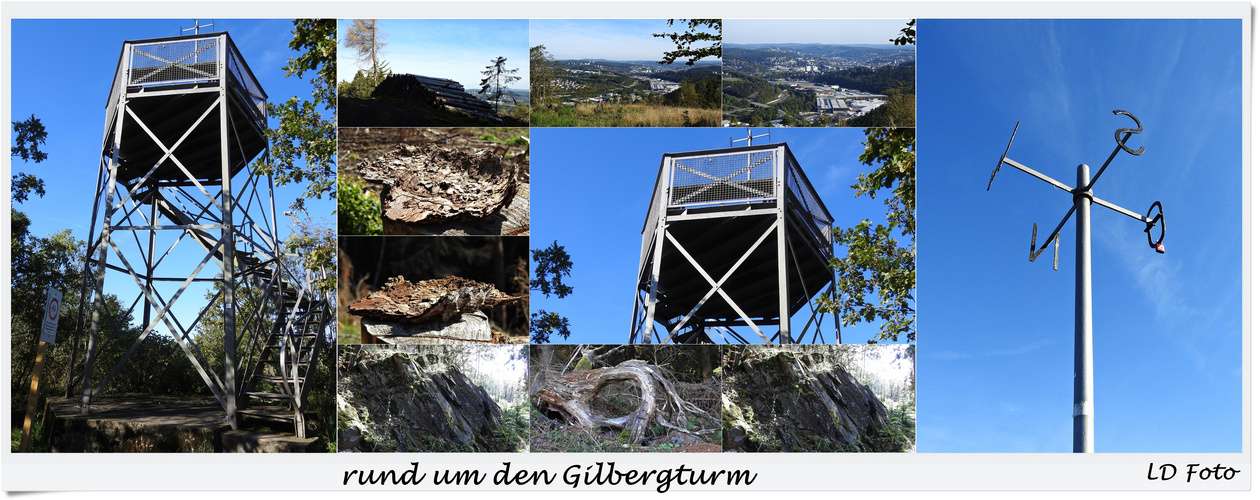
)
(717, 285)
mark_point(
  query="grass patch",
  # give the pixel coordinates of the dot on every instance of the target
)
(39, 442)
(625, 115)
(348, 334)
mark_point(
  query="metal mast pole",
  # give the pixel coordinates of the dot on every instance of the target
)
(1083, 365)
(1082, 199)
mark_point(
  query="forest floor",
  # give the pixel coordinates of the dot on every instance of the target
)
(360, 145)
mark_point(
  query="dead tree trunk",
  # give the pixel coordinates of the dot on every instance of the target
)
(573, 394)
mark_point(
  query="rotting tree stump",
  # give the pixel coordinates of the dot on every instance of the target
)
(434, 185)
(511, 220)
(573, 395)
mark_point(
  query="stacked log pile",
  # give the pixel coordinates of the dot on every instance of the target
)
(433, 92)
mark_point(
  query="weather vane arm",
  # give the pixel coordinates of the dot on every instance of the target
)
(1036, 174)
(1120, 144)
(1013, 163)
(999, 165)
(1054, 236)
(1121, 210)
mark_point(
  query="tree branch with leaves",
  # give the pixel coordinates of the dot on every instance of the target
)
(29, 134)
(691, 42)
(304, 142)
(907, 35)
(876, 277)
(551, 266)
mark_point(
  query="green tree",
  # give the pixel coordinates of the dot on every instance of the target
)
(497, 78)
(699, 31)
(542, 76)
(360, 87)
(29, 135)
(208, 334)
(907, 35)
(876, 276)
(313, 246)
(304, 143)
(366, 39)
(551, 266)
(358, 209)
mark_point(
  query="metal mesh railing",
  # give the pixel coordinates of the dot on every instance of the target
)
(654, 212)
(722, 178)
(174, 61)
(111, 106)
(187, 60)
(254, 91)
(803, 195)
(739, 177)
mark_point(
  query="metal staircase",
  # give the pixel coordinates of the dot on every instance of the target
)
(276, 387)
(281, 359)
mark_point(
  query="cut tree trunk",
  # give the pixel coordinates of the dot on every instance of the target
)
(470, 327)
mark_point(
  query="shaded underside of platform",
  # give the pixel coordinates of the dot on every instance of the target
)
(169, 116)
(143, 424)
(717, 244)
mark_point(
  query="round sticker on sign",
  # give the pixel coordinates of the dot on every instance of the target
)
(52, 312)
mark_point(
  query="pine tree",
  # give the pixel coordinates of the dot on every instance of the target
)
(497, 78)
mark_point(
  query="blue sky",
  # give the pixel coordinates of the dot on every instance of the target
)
(828, 31)
(65, 81)
(996, 348)
(590, 190)
(456, 49)
(612, 39)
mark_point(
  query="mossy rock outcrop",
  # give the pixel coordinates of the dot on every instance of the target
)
(399, 403)
(772, 403)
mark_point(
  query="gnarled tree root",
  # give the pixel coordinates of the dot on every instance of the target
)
(572, 394)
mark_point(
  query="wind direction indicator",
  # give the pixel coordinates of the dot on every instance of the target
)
(196, 29)
(748, 140)
(1082, 199)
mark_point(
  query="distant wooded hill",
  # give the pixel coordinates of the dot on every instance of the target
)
(877, 81)
(753, 50)
(627, 67)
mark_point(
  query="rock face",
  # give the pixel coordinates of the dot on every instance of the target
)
(396, 404)
(432, 184)
(773, 403)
